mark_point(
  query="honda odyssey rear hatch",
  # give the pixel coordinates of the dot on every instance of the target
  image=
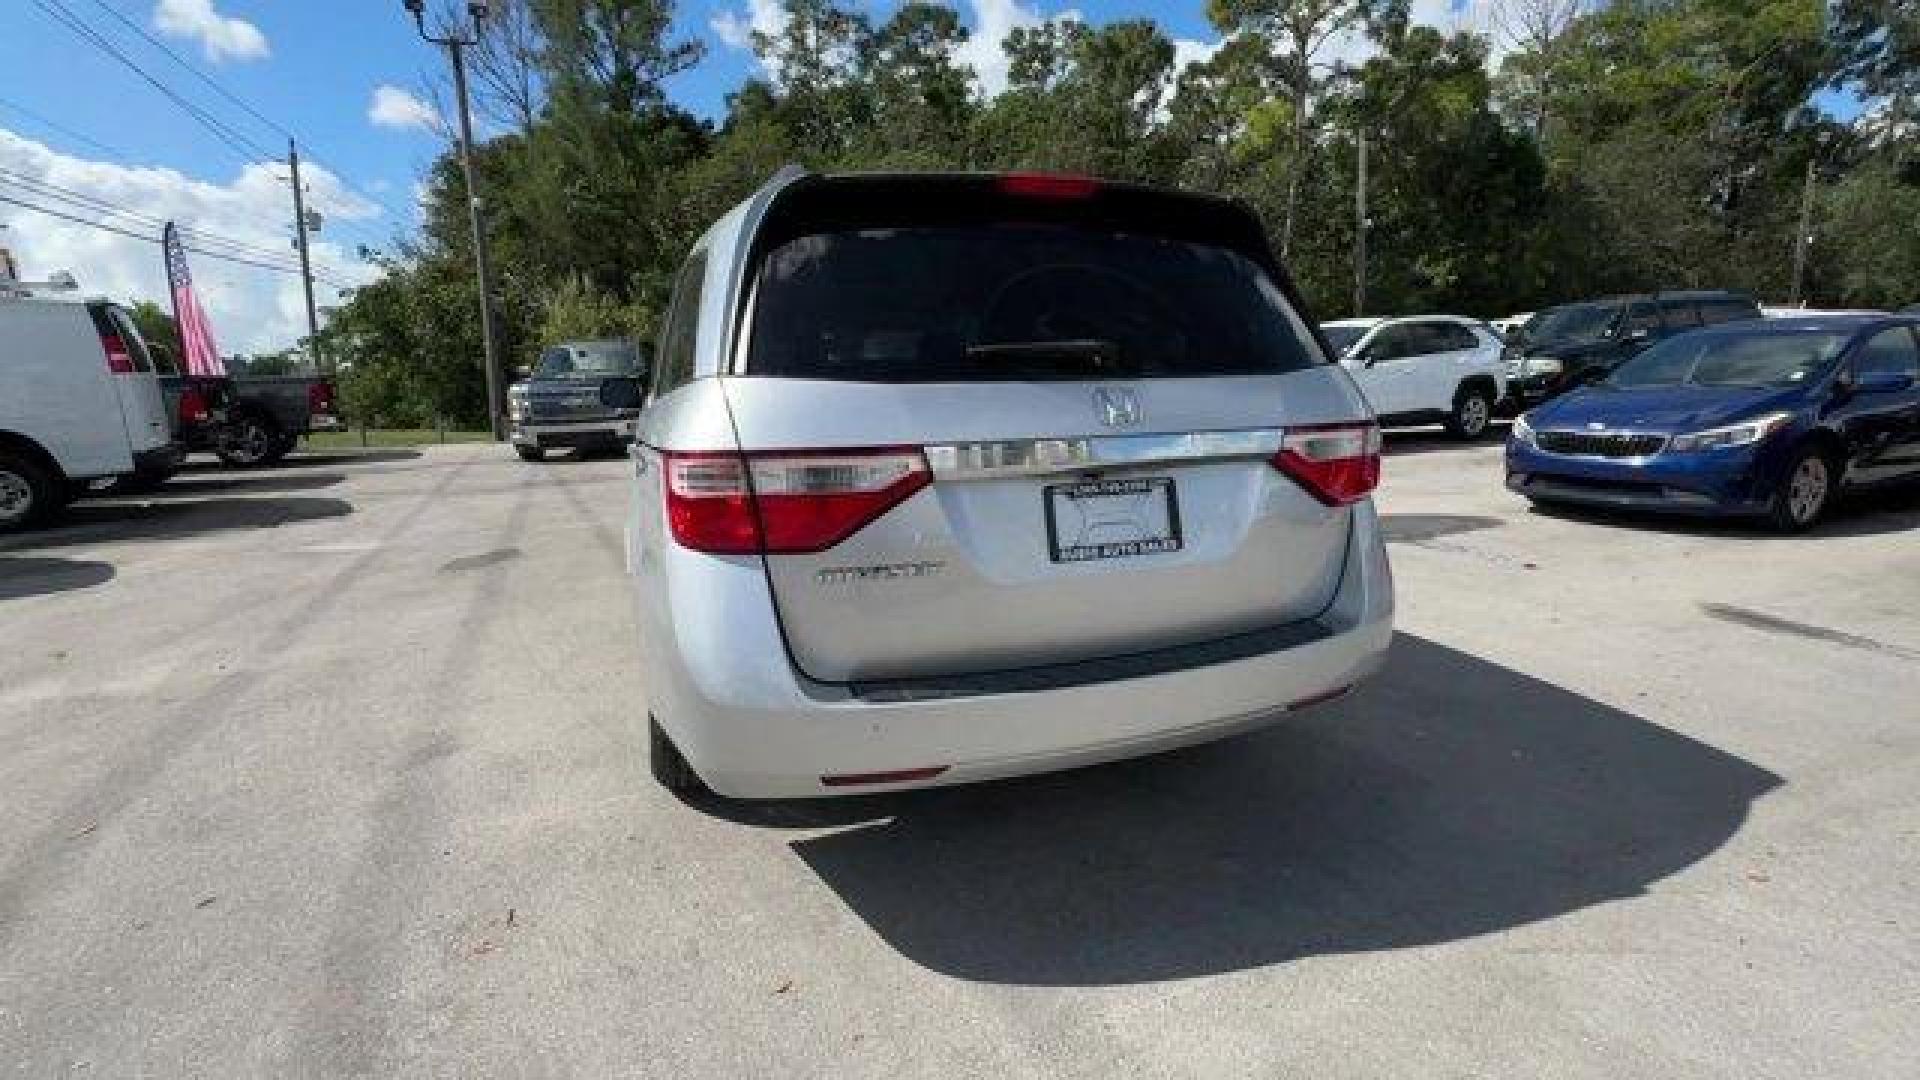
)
(1004, 422)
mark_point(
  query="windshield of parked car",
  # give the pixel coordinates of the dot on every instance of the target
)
(1343, 337)
(1030, 302)
(1731, 360)
(1570, 322)
(598, 361)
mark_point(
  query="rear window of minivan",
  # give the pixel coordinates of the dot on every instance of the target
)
(1004, 293)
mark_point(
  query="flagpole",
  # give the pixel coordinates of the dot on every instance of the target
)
(168, 238)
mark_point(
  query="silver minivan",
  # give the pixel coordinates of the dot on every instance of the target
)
(946, 477)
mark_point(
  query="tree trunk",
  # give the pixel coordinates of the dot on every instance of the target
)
(1294, 168)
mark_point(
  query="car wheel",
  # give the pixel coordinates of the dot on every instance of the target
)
(1472, 412)
(28, 493)
(284, 445)
(249, 441)
(529, 453)
(1805, 491)
(670, 768)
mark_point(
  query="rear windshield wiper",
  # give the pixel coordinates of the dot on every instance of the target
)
(1100, 354)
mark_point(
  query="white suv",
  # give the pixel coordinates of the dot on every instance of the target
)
(79, 402)
(1425, 369)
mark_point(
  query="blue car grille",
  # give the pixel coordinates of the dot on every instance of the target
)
(1605, 444)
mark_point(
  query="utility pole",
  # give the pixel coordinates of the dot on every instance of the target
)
(456, 49)
(306, 264)
(1802, 240)
(1360, 225)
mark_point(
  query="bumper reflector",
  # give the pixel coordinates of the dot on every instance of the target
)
(900, 776)
(1320, 699)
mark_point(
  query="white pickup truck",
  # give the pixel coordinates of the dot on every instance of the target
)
(79, 402)
(1425, 369)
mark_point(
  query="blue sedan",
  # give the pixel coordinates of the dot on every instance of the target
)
(1766, 419)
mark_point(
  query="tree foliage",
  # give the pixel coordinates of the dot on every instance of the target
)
(1623, 145)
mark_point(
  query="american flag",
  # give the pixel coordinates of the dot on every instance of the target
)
(196, 334)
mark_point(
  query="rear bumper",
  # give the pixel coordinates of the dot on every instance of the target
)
(719, 681)
(1707, 484)
(160, 461)
(589, 434)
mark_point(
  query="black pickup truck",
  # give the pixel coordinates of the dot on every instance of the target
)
(248, 421)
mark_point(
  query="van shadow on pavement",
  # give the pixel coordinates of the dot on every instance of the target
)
(1450, 798)
(301, 459)
(197, 485)
(144, 518)
(38, 577)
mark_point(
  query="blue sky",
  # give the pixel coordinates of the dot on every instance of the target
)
(316, 67)
(324, 61)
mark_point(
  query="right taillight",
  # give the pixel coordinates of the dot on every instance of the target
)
(1338, 464)
(320, 398)
(119, 360)
(785, 502)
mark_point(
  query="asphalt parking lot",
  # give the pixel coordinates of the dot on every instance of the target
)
(331, 770)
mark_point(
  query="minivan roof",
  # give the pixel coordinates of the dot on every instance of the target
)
(1838, 324)
(1668, 294)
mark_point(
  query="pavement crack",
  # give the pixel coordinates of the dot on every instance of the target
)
(1774, 624)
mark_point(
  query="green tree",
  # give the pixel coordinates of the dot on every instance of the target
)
(158, 330)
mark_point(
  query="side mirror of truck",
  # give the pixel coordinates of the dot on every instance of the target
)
(624, 394)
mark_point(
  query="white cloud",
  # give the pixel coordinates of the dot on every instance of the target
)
(393, 107)
(984, 51)
(768, 17)
(252, 309)
(219, 36)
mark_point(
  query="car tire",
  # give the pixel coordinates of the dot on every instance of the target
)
(1472, 413)
(1805, 491)
(249, 442)
(29, 493)
(529, 453)
(284, 445)
(669, 765)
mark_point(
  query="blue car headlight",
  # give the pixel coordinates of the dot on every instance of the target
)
(1746, 433)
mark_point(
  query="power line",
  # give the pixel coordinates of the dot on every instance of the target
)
(236, 100)
(232, 139)
(243, 148)
(42, 189)
(192, 70)
(55, 126)
(195, 248)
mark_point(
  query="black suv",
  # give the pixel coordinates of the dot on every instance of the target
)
(1565, 346)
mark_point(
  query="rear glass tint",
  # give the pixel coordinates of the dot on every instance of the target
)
(1016, 302)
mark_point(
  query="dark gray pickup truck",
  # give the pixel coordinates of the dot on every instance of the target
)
(248, 421)
(556, 404)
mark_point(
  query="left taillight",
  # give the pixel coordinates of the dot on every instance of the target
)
(1338, 464)
(785, 502)
(320, 399)
(193, 406)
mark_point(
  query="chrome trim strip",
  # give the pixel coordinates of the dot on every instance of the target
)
(1044, 457)
(1659, 447)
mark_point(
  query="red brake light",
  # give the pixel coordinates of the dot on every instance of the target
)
(119, 360)
(320, 398)
(193, 406)
(1338, 464)
(1048, 185)
(785, 502)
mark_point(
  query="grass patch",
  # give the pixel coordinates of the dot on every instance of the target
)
(350, 440)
